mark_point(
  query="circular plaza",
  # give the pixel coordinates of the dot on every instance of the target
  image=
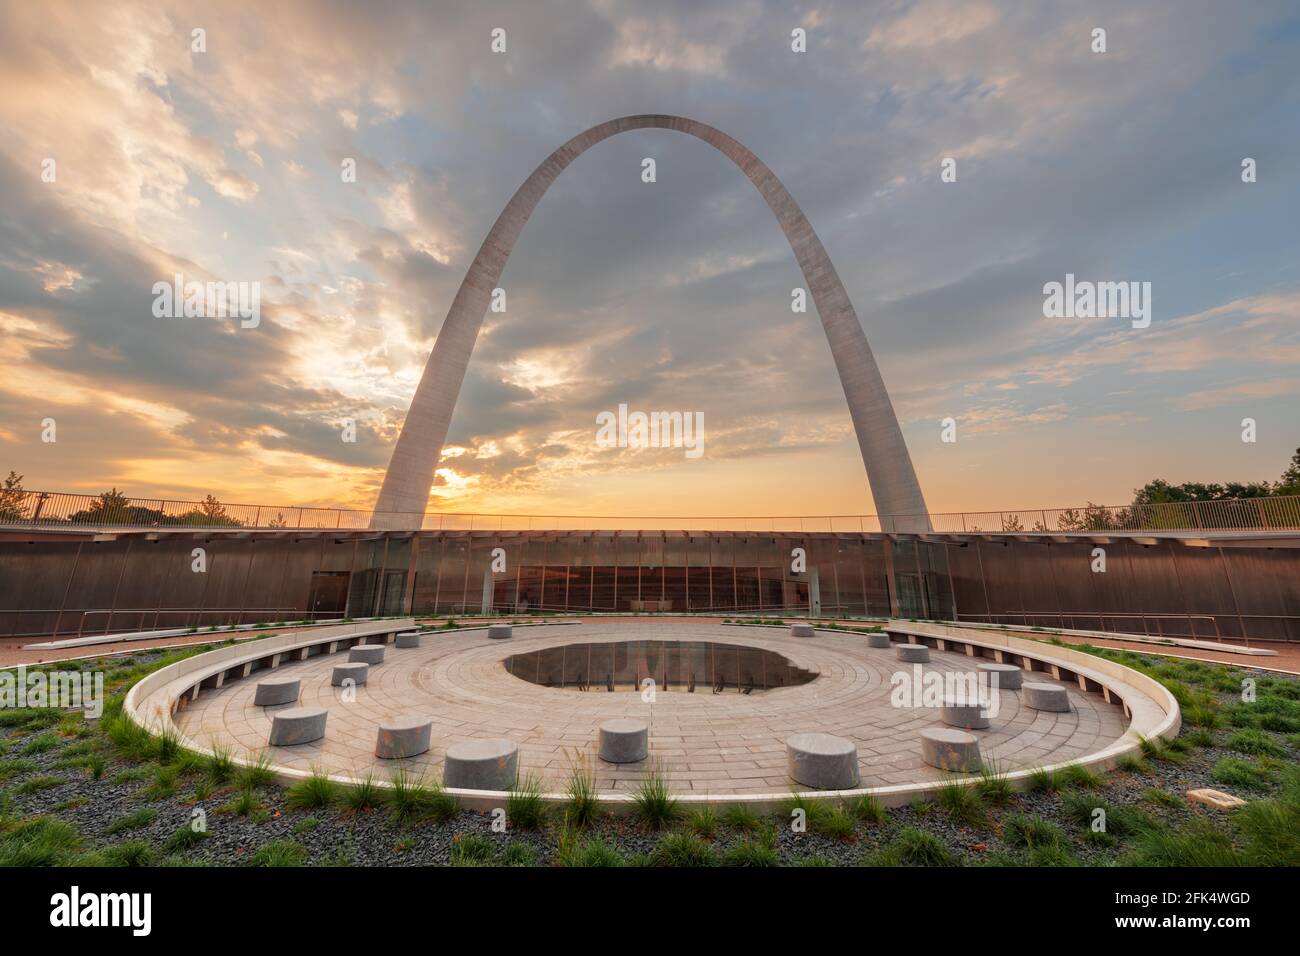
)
(714, 733)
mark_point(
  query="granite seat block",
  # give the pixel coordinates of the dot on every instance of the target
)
(367, 654)
(913, 653)
(1009, 677)
(950, 749)
(481, 765)
(276, 690)
(624, 740)
(1042, 696)
(401, 737)
(297, 725)
(822, 761)
(406, 639)
(356, 671)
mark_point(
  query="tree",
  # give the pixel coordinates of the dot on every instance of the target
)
(209, 513)
(1289, 483)
(13, 499)
(113, 507)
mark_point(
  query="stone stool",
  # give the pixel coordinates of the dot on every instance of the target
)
(913, 653)
(802, 630)
(276, 690)
(877, 639)
(950, 749)
(367, 654)
(958, 712)
(500, 631)
(356, 671)
(408, 639)
(1009, 676)
(403, 737)
(298, 725)
(1040, 696)
(624, 740)
(481, 765)
(822, 761)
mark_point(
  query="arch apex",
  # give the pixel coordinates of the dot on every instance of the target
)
(404, 495)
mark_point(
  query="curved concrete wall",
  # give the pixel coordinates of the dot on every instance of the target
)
(405, 492)
(1152, 711)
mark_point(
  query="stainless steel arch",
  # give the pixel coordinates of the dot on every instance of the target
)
(405, 492)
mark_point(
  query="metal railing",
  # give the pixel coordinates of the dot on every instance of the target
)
(1067, 620)
(57, 623)
(46, 509)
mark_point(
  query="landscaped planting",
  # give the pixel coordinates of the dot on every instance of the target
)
(77, 791)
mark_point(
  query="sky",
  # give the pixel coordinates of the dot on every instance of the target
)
(226, 163)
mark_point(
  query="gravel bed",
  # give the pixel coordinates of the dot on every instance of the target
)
(372, 838)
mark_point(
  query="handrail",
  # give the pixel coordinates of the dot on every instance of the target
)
(44, 509)
(1102, 616)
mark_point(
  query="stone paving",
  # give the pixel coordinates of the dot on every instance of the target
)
(725, 743)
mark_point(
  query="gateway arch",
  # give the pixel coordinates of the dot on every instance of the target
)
(405, 492)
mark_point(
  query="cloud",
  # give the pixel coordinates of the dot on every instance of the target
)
(674, 295)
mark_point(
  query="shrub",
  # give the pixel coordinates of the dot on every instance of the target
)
(278, 853)
(963, 804)
(184, 839)
(365, 794)
(757, 850)
(258, 773)
(316, 792)
(132, 821)
(994, 787)
(472, 849)
(39, 841)
(1029, 831)
(1198, 844)
(411, 799)
(525, 808)
(130, 853)
(913, 847)
(1043, 780)
(683, 849)
(581, 808)
(703, 822)
(1255, 742)
(1077, 775)
(1240, 773)
(740, 816)
(653, 803)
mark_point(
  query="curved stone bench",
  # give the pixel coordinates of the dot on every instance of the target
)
(913, 653)
(1009, 677)
(822, 761)
(878, 640)
(624, 740)
(403, 737)
(298, 725)
(408, 639)
(802, 630)
(355, 671)
(276, 690)
(950, 749)
(500, 631)
(1050, 697)
(481, 765)
(367, 654)
(958, 712)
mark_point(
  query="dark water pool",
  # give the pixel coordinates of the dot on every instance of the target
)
(678, 666)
